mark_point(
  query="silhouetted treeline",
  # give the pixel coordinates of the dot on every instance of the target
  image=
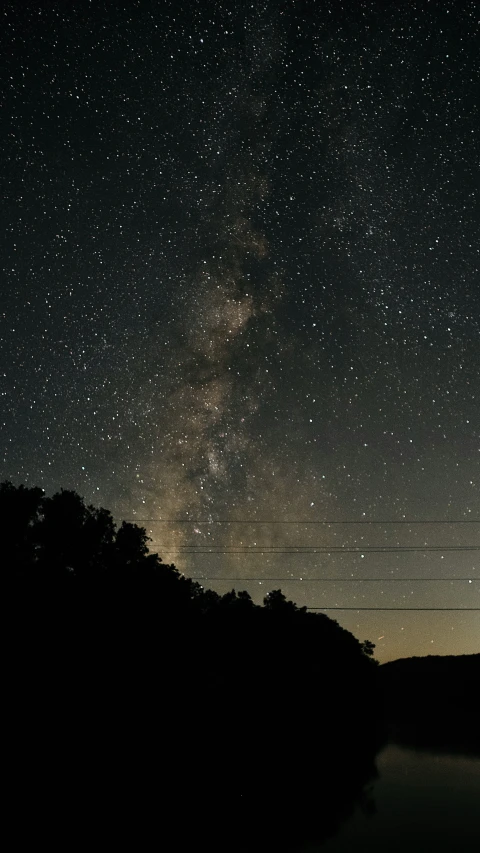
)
(432, 701)
(142, 702)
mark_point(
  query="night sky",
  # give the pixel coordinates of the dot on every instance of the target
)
(240, 281)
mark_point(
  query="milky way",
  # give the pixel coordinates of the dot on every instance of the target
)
(240, 282)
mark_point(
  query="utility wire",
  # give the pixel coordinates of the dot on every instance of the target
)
(319, 549)
(420, 609)
(334, 580)
(278, 521)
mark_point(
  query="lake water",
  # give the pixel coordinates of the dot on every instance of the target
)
(424, 801)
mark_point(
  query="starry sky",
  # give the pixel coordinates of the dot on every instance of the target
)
(240, 292)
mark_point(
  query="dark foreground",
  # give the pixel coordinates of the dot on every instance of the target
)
(144, 709)
(136, 738)
(431, 702)
(421, 800)
(127, 733)
(116, 742)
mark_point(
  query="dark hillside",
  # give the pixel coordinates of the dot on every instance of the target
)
(433, 700)
(142, 706)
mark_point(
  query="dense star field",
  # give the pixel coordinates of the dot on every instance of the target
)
(240, 281)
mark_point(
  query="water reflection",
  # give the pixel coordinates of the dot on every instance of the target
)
(423, 800)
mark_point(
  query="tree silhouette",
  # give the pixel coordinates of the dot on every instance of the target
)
(19, 513)
(276, 602)
(129, 665)
(368, 648)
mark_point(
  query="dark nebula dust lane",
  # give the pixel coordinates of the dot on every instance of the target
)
(240, 280)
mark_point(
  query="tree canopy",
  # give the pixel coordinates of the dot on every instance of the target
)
(113, 646)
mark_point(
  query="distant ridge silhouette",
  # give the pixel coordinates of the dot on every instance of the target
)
(432, 701)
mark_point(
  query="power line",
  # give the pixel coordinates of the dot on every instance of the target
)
(357, 548)
(300, 521)
(334, 580)
(419, 609)
(319, 549)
